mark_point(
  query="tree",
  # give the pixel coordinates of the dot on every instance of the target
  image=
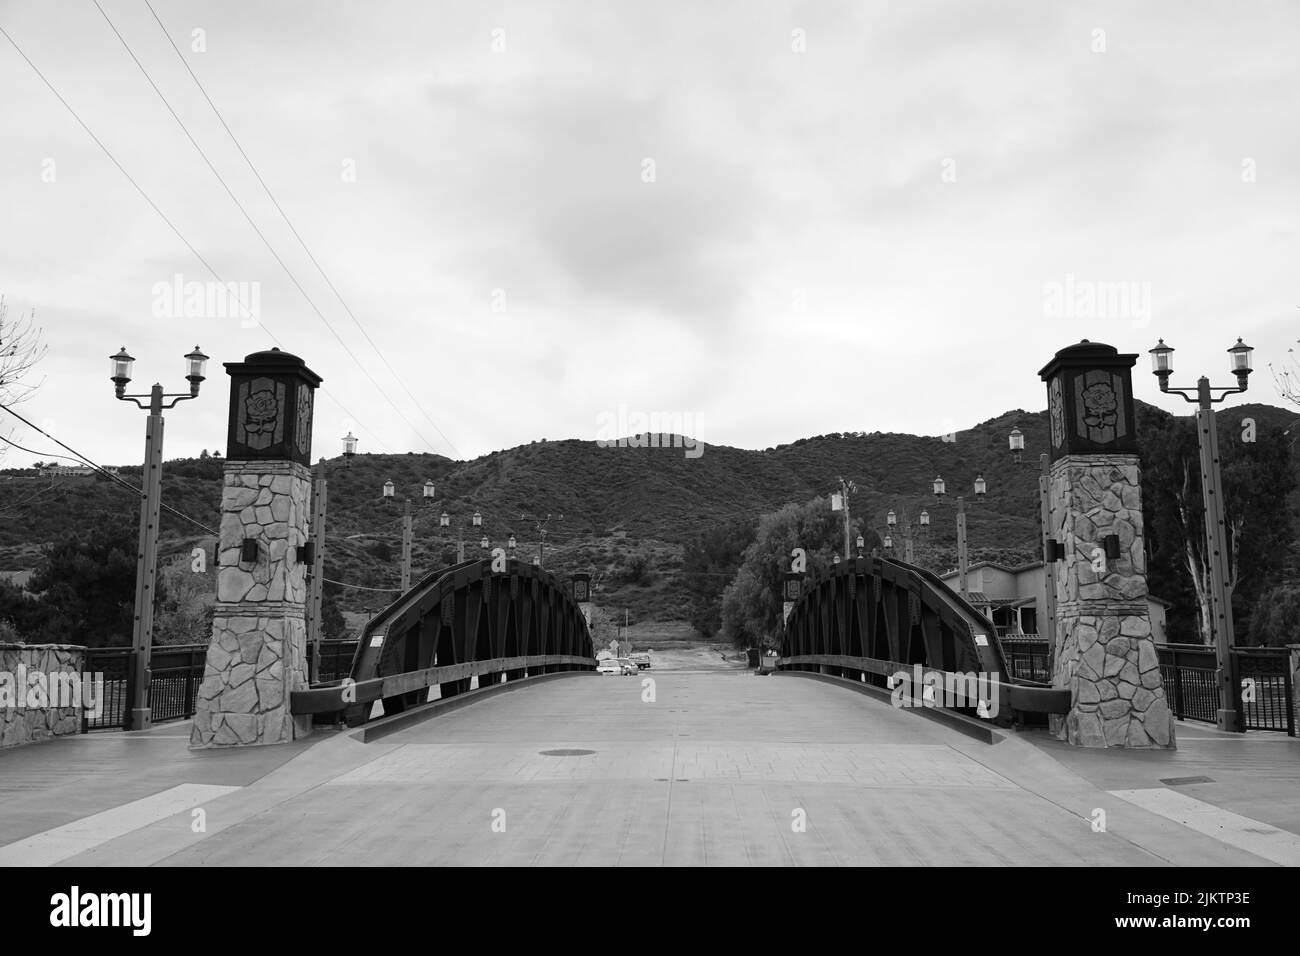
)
(1257, 478)
(708, 563)
(183, 614)
(334, 626)
(22, 612)
(603, 629)
(87, 584)
(752, 604)
(1276, 620)
(20, 349)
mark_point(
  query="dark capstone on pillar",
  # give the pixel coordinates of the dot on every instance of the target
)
(1104, 651)
(258, 653)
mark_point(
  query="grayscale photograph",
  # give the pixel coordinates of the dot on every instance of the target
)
(561, 434)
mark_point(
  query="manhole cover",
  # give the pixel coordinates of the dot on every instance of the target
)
(1179, 781)
(564, 752)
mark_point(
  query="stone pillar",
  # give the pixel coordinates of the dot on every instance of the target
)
(1105, 652)
(258, 653)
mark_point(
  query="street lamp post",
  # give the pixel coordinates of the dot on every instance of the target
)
(847, 488)
(316, 592)
(1216, 533)
(407, 529)
(428, 495)
(961, 544)
(891, 523)
(940, 489)
(151, 502)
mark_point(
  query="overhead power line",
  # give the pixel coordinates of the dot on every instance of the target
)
(260, 235)
(293, 229)
(170, 225)
(139, 492)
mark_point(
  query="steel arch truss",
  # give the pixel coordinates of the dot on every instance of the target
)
(455, 624)
(870, 618)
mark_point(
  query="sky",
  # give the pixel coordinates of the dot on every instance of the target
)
(776, 220)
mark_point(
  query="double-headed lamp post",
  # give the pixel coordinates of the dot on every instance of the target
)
(891, 525)
(940, 489)
(428, 494)
(1212, 495)
(196, 364)
(444, 521)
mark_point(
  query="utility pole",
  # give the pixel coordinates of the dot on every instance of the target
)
(1217, 537)
(1228, 718)
(146, 576)
(961, 544)
(845, 488)
(316, 594)
(1048, 625)
(406, 547)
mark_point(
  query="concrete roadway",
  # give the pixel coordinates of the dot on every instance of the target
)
(722, 768)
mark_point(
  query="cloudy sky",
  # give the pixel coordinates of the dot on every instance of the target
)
(778, 219)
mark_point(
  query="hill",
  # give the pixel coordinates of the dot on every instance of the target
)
(627, 512)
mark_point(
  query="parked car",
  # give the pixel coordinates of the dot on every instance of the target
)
(642, 661)
(610, 665)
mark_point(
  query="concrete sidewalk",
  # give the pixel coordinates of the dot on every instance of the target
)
(721, 768)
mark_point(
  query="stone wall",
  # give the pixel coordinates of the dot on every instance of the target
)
(20, 687)
(1105, 651)
(258, 654)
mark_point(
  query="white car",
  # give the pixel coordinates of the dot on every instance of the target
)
(610, 665)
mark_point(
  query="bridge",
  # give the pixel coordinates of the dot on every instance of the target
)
(470, 727)
(472, 730)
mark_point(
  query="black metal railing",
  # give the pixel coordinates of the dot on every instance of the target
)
(1190, 676)
(113, 708)
(175, 673)
(335, 660)
(1265, 699)
(1026, 657)
(1263, 679)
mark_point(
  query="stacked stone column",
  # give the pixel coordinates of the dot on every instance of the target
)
(1106, 653)
(258, 654)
